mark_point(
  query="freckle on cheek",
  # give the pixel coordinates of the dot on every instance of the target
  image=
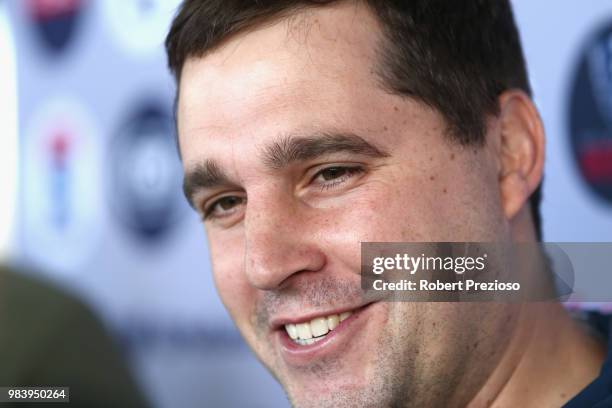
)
(452, 156)
(444, 191)
(432, 178)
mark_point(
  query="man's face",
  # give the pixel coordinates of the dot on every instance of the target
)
(296, 154)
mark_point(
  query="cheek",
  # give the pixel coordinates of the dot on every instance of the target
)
(433, 206)
(236, 294)
(373, 214)
(450, 198)
(381, 212)
(468, 206)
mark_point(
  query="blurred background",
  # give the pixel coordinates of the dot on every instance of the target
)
(90, 194)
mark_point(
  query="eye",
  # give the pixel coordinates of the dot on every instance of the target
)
(331, 177)
(223, 207)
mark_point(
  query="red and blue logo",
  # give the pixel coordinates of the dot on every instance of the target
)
(60, 185)
(56, 21)
(590, 114)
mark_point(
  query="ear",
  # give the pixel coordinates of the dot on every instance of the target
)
(520, 150)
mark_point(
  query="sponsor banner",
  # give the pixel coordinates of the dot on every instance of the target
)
(55, 21)
(61, 186)
(590, 114)
(145, 173)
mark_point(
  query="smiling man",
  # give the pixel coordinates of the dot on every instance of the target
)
(308, 127)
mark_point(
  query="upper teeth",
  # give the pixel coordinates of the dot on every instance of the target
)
(309, 332)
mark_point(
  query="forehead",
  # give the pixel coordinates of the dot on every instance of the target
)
(295, 72)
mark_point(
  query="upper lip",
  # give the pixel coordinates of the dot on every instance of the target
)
(279, 322)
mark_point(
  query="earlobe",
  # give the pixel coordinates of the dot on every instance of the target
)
(521, 150)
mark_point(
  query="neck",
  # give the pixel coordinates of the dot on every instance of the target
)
(549, 360)
(551, 357)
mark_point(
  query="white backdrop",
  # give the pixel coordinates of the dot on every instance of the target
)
(78, 93)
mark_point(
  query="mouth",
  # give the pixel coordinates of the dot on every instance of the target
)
(315, 330)
(302, 340)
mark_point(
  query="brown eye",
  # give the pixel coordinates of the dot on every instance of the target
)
(223, 206)
(227, 203)
(335, 176)
(332, 173)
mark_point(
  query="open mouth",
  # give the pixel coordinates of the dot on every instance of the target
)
(304, 340)
(317, 329)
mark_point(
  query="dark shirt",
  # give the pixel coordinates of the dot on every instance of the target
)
(598, 394)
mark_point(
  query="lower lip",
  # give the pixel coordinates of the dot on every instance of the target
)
(298, 355)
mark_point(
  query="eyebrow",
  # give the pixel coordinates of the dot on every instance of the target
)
(289, 150)
(204, 175)
(281, 154)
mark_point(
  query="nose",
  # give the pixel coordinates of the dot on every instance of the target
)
(280, 243)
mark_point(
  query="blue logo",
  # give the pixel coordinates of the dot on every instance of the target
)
(146, 174)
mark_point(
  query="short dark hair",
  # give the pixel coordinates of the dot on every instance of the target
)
(456, 56)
